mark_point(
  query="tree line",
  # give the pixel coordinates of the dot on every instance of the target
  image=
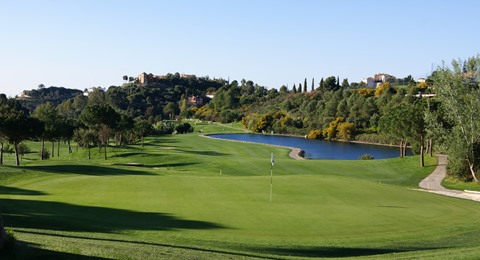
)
(125, 113)
(333, 109)
(447, 122)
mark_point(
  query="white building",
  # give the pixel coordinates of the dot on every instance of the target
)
(369, 82)
(377, 80)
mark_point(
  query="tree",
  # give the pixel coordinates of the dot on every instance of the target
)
(3, 101)
(104, 133)
(406, 124)
(345, 84)
(47, 114)
(305, 86)
(125, 125)
(299, 87)
(96, 96)
(313, 84)
(97, 114)
(16, 125)
(459, 94)
(85, 138)
(142, 128)
(100, 118)
(170, 110)
(1, 150)
(330, 84)
(125, 78)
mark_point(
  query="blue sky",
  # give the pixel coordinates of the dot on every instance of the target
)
(87, 43)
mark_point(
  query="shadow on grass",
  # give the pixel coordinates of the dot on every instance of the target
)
(159, 141)
(94, 170)
(125, 155)
(155, 244)
(208, 153)
(334, 252)
(68, 217)
(168, 165)
(18, 191)
(32, 251)
(257, 253)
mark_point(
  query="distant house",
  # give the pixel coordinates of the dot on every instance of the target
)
(383, 77)
(377, 80)
(186, 76)
(145, 78)
(210, 94)
(369, 82)
(87, 91)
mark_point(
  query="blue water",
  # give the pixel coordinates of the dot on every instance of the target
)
(318, 149)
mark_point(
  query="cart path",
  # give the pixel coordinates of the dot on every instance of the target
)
(433, 183)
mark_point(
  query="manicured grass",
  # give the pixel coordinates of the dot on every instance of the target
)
(197, 197)
(453, 183)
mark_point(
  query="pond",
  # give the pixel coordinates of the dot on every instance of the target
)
(317, 149)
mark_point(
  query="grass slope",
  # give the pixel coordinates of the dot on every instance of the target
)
(197, 197)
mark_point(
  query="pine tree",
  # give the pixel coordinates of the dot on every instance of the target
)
(320, 85)
(345, 84)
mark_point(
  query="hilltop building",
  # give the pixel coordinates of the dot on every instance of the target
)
(145, 78)
(377, 80)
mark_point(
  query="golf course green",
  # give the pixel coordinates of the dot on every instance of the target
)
(187, 196)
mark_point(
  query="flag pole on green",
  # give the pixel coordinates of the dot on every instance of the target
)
(271, 177)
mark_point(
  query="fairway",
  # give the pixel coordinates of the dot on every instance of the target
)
(195, 197)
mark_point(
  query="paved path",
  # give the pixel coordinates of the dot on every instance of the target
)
(295, 154)
(433, 183)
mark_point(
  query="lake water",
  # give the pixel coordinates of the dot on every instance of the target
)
(317, 149)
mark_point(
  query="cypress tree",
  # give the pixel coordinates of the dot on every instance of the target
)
(305, 86)
(313, 84)
(294, 89)
(299, 87)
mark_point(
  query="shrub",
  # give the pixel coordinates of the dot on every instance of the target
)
(315, 134)
(458, 168)
(8, 148)
(183, 128)
(46, 154)
(345, 130)
(366, 157)
(23, 149)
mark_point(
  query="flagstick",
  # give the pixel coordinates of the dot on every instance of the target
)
(271, 177)
(271, 182)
